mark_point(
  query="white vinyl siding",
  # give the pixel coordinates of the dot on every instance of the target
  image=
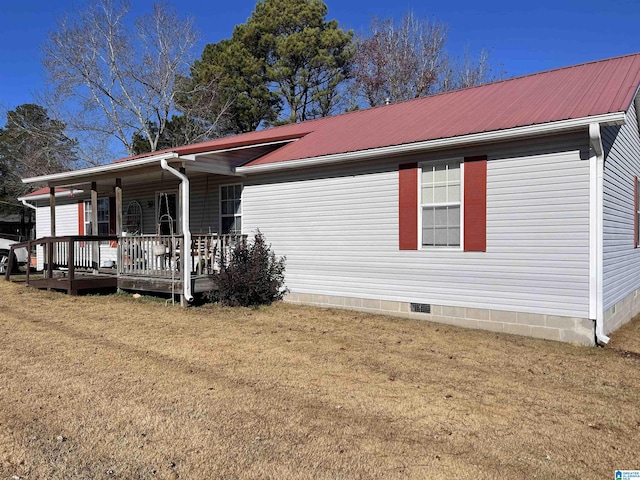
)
(66, 219)
(167, 219)
(339, 232)
(145, 195)
(622, 165)
(66, 222)
(204, 202)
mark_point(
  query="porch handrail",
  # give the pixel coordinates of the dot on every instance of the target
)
(149, 255)
(140, 255)
(164, 256)
(209, 251)
(70, 251)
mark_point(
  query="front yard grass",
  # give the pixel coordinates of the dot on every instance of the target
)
(112, 387)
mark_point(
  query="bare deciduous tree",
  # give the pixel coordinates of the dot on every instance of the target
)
(116, 77)
(400, 61)
(468, 71)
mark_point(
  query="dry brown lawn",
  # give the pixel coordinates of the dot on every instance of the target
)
(113, 387)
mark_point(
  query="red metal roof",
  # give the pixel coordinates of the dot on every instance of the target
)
(45, 191)
(579, 91)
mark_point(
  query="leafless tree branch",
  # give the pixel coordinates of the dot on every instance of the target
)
(113, 77)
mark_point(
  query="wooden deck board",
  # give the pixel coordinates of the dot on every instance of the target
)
(199, 284)
(79, 284)
(85, 282)
(148, 284)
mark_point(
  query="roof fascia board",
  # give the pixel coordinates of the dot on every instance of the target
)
(45, 196)
(100, 169)
(217, 169)
(616, 118)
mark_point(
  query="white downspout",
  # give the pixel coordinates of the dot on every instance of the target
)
(186, 247)
(597, 229)
(27, 204)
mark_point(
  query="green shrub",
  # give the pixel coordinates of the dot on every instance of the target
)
(253, 276)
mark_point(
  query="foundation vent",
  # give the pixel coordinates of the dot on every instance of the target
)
(421, 307)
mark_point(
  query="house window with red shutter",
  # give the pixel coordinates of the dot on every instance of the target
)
(440, 204)
(443, 204)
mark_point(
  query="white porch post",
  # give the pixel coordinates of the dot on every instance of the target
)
(95, 254)
(118, 206)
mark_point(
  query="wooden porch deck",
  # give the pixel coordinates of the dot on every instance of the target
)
(199, 284)
(88, 282)
(72, 263)
(82, 282)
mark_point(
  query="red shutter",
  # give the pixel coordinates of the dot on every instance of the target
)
(475, 204)
(80, 217)
(408, 206)
(635, 212)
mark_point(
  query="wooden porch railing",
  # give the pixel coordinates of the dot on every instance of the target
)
(210, 251)
(77, 260)
(72, 252)
(143, 256)
(164, 255)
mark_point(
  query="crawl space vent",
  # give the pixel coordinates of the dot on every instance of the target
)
(421, 307)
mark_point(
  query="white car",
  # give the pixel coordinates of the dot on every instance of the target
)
(5, 249)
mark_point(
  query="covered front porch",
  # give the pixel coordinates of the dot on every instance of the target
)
(144, 263)
(161, 223)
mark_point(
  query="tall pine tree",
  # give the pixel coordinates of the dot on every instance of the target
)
(31, 144)
(286, 64)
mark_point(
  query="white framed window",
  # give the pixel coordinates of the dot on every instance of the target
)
(441, 204)
(103, 217)
(231, 209)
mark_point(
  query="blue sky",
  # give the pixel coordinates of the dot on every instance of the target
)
(523, 37)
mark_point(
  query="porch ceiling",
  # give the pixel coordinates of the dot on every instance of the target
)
(134, 176)
(226, 161)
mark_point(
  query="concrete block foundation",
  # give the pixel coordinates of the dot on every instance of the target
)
(549, 327)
